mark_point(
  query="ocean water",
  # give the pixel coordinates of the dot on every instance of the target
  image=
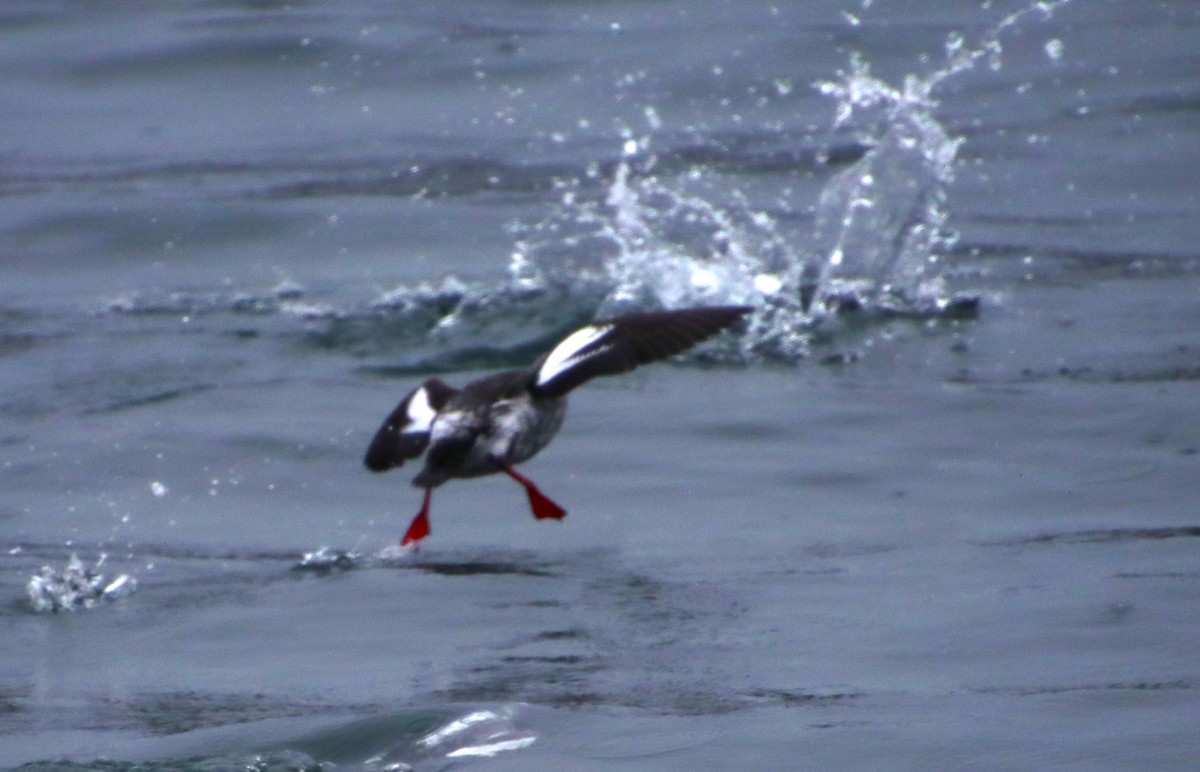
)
(935, 507)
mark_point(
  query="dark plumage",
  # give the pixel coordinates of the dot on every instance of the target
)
(500, 420)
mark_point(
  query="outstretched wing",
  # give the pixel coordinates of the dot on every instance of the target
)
(405, 433)
(621, 344)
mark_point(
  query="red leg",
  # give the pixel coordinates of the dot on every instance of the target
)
(542, 505)
(419, 528)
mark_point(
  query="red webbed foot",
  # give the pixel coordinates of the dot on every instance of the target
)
(419, 528)
(542, 506)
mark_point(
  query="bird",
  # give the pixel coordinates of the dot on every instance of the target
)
(500, 420)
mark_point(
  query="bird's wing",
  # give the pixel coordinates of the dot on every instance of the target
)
(621, 344)
(405, 433)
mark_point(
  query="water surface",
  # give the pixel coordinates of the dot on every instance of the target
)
(933, 508)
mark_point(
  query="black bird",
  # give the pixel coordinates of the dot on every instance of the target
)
(503, 419)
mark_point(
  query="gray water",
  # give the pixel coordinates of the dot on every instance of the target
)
(935, 508)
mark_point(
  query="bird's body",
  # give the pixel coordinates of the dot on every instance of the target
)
(503, 419)
(493, 418)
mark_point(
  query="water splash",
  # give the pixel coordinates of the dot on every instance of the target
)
(324, 560)
(880, 230)
(649, 242)
(880, 241)
(640, 232)
(881, 235)
(76, 587)
(652, 241)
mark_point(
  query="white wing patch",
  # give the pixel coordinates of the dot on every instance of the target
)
(566, 354)
(420, 412)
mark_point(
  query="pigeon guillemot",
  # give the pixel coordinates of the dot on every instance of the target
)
(503, 419)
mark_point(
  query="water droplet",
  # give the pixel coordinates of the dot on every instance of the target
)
(652, 118)
(1054, 49)
(767, 283)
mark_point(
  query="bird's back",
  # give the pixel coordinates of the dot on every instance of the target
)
(494, 418)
